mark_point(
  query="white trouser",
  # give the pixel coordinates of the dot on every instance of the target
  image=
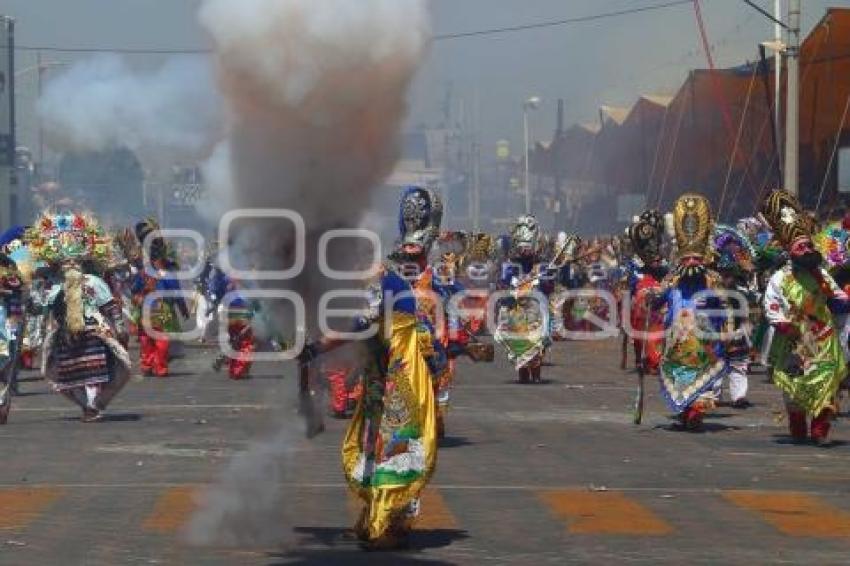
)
(98, 396)
(738, 382)
(202, 319)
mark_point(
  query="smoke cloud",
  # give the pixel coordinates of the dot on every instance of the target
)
(102, 103)
(316, 96)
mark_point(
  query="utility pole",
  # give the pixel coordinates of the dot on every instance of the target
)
(40, 88)
(559, 205)
(476, 163)
(526, 177)
(792, 105)
(777, 74)
(8, 173)
(532, 103)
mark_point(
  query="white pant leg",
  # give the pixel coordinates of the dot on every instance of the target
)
(77, 395)
(202, 320)
(738, 380)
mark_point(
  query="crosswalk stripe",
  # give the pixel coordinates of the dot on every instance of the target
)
(172, 510)
(793, 513)
(611, 513)
(20, 506)
(434, 513)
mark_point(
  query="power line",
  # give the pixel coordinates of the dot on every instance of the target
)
(765, 13)
(439, 37)
(555, 23)
(120, 50)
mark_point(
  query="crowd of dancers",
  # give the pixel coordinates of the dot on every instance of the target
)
(697, 302)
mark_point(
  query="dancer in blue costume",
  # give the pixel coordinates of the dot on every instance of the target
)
(694, 357)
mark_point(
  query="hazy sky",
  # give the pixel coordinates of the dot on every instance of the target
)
(610, 61)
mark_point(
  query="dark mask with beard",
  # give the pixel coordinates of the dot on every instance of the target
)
(689, 272)
(810, 260)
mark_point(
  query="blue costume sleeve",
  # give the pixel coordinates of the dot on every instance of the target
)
(838, 306)
(137, 283)
(171, 284)
(395, 288)
(508, 272)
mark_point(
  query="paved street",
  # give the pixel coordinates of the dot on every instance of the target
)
(553, 473)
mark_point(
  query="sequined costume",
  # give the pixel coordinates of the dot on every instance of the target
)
(694, 357)
(800, 303)
(523, 325)
(734, 260)
(390, 450)
(154, 294)
(11, 291)
(645, 272)
(85, 357)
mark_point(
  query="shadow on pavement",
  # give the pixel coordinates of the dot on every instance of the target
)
(544, 381)
(354, 557)
(786, 440)
(422, 539)
(343, 548)
(170, 375)
(108, 418)
(706, 428)
(455, 442)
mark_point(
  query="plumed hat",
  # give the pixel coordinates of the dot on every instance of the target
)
(832, 242)
(734, 253)
(645, 235)
(525, 236)
(693, 224)
(55, 238)
(786, 217)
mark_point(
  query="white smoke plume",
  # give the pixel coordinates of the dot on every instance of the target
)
(102, 103)
(316, 94)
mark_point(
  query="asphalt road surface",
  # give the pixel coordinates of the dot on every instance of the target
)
(196, 469)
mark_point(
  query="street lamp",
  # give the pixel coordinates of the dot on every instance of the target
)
(532, 103)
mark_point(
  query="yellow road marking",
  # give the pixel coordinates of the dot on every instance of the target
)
(20, 506)
(433, 511)
(353, 505)
(172, 510)
(609, 513)
(793, 513)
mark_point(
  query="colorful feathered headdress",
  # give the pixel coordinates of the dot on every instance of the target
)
(832, 243)
(54, 238)
(733, 251)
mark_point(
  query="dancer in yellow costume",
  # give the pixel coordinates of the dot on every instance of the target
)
(390, 449)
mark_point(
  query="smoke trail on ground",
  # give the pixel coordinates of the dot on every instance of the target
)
(245, 506)
(316, 96)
